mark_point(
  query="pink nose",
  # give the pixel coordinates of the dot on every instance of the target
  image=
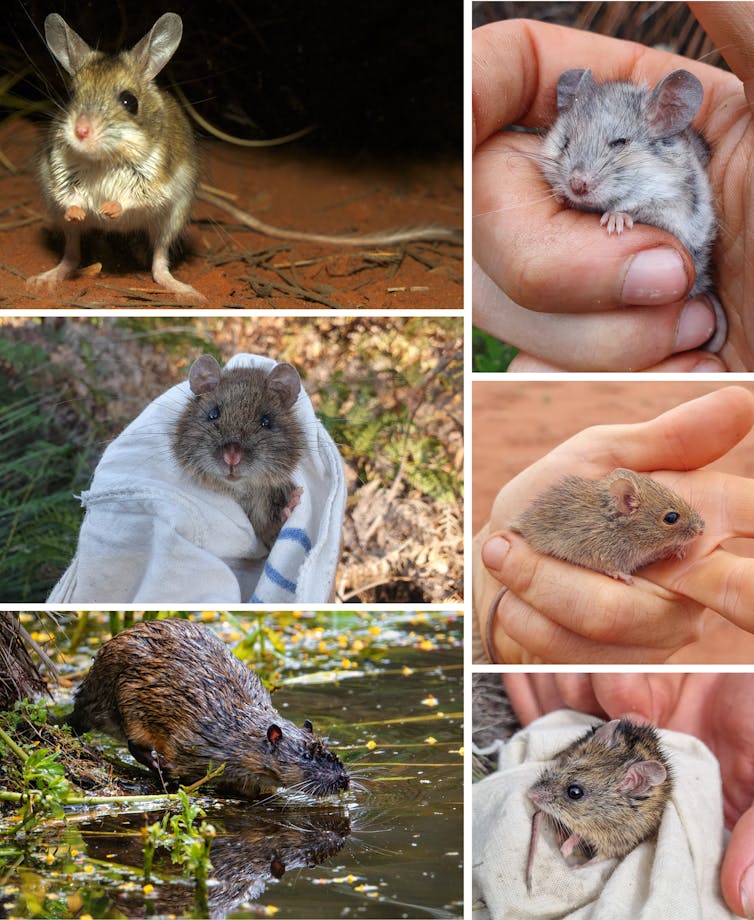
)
(83, 127)
(578, 184)
(232, 454)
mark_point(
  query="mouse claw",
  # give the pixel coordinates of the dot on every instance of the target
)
(615, 221)
(111, 209)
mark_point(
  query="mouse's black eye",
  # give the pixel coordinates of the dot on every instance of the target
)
(575, 792)
(672, 517)
(566, 142)
(129, 102)
(265, 422)
(214, 413)
(618, 142)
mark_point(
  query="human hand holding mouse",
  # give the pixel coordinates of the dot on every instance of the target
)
(716, 708)
(556, 611)
(560, 264)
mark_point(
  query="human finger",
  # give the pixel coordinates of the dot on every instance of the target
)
(688, 362)
(737, 871)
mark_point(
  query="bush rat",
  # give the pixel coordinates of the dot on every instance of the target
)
(629, 153)
(606, 792)
(182, 701)
(240, 436)
(121, 155)
(613, 525)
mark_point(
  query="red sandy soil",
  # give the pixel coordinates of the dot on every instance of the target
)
(238, 268)
(516, 423)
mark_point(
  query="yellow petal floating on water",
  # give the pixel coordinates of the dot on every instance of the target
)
(430, 701)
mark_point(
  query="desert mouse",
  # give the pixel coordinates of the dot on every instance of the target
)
(613, 525)
(629, 153)
(240, 436)
(606, 792)
(121, 155)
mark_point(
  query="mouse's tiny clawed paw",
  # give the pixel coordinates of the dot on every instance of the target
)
(616, 221)
(111, 209)
(49, 278)
(294, 500)
(621, 576)
(75, 214)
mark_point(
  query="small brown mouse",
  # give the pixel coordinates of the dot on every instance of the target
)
(240, 436)
(182, 701)
(606, 792)
(613, 525)
(121, 155)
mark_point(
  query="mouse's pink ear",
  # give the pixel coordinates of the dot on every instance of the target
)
(571, 84)
(624, 495)
(672, 104)
(606, 734)
(67, 46)
(640, 777)
(204, 374)
(159, 44)
(285, 382)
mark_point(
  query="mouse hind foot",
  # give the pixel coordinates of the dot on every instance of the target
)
(162, 276)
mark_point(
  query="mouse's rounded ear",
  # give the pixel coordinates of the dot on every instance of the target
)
(204, 374)
(640, 777)
(571, 84)
(285, 382)
(67, 46)
(159, 44)
(624, 494)
(672, 104)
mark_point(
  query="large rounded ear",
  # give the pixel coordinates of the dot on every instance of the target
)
(625, 495)
(159, 44)
(285, 382)
(640, 777)
(204, 375)
(274, 733)
(672, 104)
(606, 734)
(67, 46)
(573, 83)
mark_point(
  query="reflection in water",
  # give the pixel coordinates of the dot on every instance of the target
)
(252, 846)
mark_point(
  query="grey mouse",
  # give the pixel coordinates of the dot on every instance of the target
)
(240, 436)
(631, 155)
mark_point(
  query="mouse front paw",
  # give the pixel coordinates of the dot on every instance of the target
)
(616, 221)
(111, 209)
(294, 500)
(75, 214)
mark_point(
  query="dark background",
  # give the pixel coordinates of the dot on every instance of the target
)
(382, 78)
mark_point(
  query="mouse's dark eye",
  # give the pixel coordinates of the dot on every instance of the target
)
(575, 792)
(214, 413)
(672, 517)
(265, 421)
(129, 102)
(566, 142)
(618, 143)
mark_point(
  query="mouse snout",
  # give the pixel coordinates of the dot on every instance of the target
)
(539, 795)
(578, 183)
(232, 455)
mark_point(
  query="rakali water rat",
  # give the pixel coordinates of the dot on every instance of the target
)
(613, 525)
(631, 155)
(183, 701)
(605, 793)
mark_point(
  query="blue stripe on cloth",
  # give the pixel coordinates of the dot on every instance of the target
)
(255, 599)
(297, 536)
(277, 579)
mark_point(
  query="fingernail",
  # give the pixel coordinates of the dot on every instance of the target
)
(696, 324)
(707, 366)
(654, 276)
(746, 892)
(494, 552)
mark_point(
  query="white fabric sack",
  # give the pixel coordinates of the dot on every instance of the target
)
(152, 534)
(675, 877)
